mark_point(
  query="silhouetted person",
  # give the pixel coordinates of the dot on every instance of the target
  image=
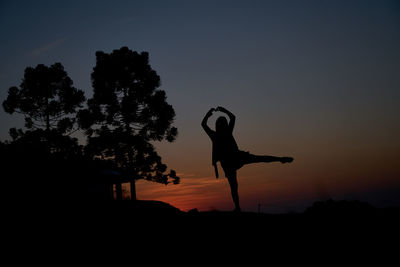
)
(225, 150)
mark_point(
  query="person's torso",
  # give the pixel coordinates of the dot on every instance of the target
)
(224, 147)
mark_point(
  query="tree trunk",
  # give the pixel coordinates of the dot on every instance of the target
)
(118, 188)
(47, 122)
(130, 163)
(47, 115)
(133, 189)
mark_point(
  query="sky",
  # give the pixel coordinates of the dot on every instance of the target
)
(315, 80)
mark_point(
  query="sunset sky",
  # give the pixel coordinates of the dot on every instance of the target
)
(315, 80)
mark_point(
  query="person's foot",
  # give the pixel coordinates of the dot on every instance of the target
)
(237, 210)
(286, 159)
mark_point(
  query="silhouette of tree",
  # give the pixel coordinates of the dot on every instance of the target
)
(41, 161)
(126, 113)
(46, 98)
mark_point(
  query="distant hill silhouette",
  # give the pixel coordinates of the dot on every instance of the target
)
(329, 208)
(341, 208)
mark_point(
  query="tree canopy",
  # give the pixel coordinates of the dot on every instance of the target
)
(127, 112)
(46, 98)
(125, 115)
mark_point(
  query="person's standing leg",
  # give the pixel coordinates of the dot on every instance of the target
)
(232, 178)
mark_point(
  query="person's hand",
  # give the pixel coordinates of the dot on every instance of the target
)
(220, 109)
(210, 112)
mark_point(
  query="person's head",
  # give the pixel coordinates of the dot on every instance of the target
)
(221, 125)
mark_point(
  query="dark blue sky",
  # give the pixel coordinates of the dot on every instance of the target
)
(316, 79)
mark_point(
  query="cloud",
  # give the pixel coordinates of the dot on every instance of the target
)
(49, 46)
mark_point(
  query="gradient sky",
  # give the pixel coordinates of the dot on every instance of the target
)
(316, 80)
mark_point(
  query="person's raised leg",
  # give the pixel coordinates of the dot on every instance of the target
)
(286, 159)
(232, 178)
(250, 158)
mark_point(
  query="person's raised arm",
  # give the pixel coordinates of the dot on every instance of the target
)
(232, 117)
(204, 122)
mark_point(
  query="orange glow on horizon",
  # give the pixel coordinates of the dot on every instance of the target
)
(276, 187)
